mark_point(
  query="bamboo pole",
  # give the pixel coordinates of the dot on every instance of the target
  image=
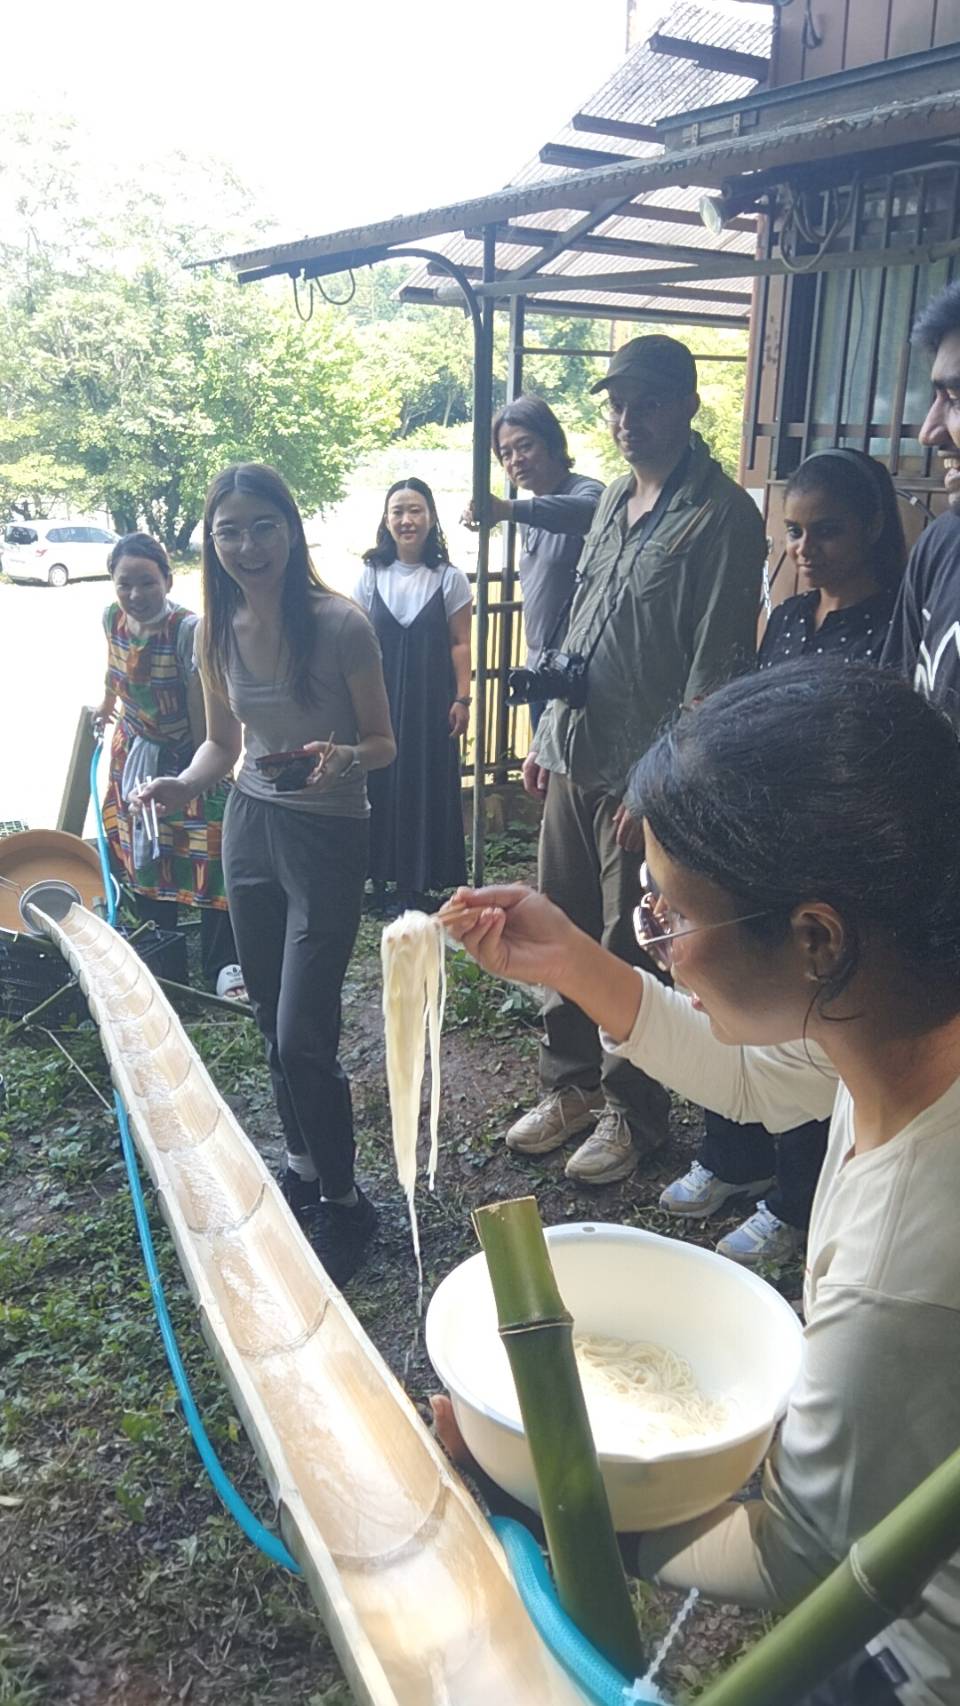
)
(186, 991)
(537, 1334)
(880, 1579)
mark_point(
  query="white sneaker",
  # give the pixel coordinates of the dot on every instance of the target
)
(607, 1155)
(762, 1238)
(700, 1192)
(230, 984)
(560, 1115)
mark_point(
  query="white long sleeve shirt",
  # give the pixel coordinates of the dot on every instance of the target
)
(877, 1406)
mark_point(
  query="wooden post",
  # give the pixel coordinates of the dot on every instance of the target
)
(76, 791)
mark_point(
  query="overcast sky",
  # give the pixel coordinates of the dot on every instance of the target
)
(334, 111)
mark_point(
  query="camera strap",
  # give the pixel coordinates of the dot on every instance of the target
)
(645, 530)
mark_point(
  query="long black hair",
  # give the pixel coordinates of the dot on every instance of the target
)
(859, 483)
(222, 596)
(534, 415)
(140, 545)
(384, 552)
(819, 781)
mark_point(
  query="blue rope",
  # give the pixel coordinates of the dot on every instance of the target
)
(270, 1544)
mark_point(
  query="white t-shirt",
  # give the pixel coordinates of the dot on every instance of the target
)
(877, 1405)
(407, 587)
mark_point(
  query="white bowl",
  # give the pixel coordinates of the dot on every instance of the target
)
(742, 1340)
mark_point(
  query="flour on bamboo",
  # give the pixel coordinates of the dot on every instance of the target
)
(414, 993)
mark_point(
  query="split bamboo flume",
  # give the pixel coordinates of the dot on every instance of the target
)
(537, 1334)
(408, 1576)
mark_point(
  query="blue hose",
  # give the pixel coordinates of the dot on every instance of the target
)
(598, 1680)
(270, 1544)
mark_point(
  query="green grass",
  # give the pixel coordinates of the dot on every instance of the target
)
(106, 1515)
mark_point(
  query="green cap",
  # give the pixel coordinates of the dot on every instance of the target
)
(664, 363)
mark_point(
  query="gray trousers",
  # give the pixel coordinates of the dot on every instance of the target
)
(597, 885)
(295, 884)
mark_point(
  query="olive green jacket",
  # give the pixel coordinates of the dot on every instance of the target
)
(685, 607)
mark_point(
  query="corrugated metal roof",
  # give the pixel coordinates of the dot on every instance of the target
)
(645, 87)
(551, 197)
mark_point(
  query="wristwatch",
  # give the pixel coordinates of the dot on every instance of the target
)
(464, 699)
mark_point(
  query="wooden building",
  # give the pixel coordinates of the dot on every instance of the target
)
(830, 357)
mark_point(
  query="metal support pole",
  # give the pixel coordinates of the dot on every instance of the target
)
(482, 419)
(508, 582)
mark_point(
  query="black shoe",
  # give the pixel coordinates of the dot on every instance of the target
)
(340, 1235)
(302, 1195)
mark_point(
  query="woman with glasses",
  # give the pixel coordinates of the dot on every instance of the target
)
(420, 607)
(290, 666)
(844, 540)
(801, 840)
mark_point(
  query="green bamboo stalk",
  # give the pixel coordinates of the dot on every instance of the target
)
(880, 1579)
(537, 1334)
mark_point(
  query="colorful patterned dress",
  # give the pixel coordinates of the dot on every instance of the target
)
(149, 674)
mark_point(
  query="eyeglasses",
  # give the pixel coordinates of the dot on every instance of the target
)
(646, 405)
(263, 532)
(653, 913)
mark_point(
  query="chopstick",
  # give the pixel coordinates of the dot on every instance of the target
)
(325, 755)
(150, 819)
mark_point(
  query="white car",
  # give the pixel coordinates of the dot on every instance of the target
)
(56, 551)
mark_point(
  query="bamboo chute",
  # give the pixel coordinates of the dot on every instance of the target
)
(537, 1334)
(409, 1578)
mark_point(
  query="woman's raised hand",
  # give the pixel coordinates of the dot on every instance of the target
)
(512, 931)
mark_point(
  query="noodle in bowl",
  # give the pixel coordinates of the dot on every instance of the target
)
(706, 1332)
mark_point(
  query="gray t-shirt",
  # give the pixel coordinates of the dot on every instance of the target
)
(552, 531)
(272, 720)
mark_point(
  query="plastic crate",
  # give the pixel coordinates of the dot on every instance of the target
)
(29, 974)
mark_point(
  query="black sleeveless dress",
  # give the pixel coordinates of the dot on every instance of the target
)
(416, 810)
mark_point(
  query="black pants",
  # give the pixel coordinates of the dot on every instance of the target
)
(739, 1153)
(860, 1682)
(295, 883)
(217, 947)
(596, 883)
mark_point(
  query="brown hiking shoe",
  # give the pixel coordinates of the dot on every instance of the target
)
(608, 1154)
(559, 1116)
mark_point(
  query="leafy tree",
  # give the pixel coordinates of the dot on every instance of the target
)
(126, 381)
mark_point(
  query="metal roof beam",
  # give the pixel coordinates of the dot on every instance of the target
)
(679, 216)
(655, 281)
(726, 59)
(625, 128)
(599, 311)
(567, 281)
(934, 118)
(560, 154)
(561, 240)
(605, 354)
(648, 316)
(534, 236)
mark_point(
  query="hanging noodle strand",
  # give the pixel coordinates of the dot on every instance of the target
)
(414, 995)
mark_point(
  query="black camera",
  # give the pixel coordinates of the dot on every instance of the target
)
(560, 675)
